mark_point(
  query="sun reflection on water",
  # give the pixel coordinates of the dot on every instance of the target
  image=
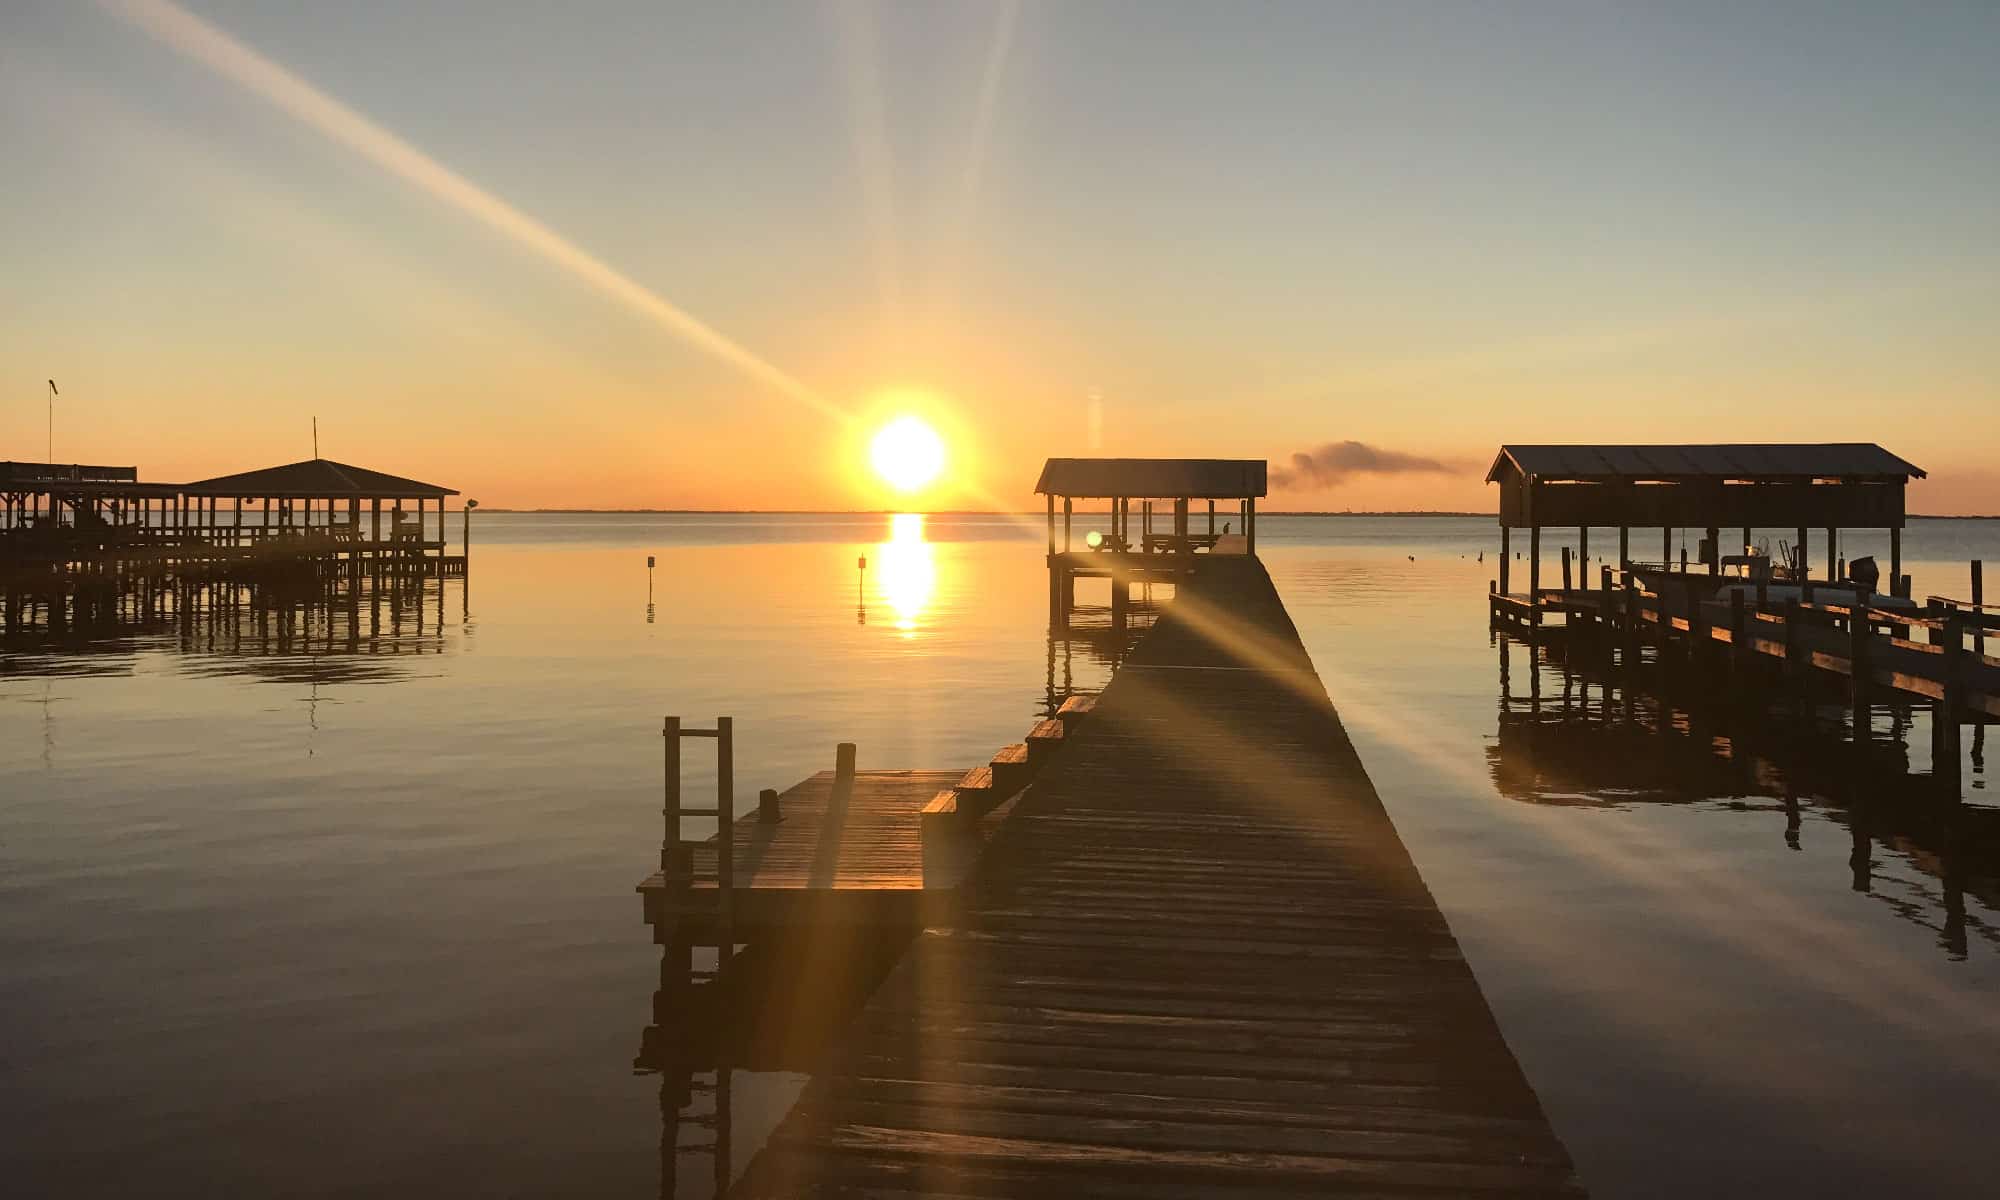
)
(908, 574)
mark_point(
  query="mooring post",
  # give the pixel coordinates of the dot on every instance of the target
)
(843, 771)
(767, 807)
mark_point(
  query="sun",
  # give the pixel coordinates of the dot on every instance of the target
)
(907, 453)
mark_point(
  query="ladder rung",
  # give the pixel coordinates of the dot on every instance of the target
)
(701, 733)
(699, 812)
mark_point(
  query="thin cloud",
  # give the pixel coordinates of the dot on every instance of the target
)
(1336, 462)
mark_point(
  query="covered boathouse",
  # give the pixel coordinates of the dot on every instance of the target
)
(316, 511)
(1714, 487)
(1159, 548)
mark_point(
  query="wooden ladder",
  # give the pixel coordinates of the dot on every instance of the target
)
(677, 851)
(677, 864)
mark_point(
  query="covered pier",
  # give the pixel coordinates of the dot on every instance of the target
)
(317, 513)
(1176, 500)
(1739, 488)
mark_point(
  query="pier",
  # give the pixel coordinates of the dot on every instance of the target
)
(1194, 960)
(62, 522)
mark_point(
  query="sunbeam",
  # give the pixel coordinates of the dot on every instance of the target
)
(230, 59)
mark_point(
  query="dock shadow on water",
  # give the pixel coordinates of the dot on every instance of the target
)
(1580, 730)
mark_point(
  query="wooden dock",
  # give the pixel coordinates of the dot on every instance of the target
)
(836, 855)
(1196, 960)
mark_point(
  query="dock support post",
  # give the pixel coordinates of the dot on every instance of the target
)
(1832, 554)
(1250, 525)
(671, 858)
(1667, 547)
(1979, 605)
(1624, 546)
(1566, 576)
(1739, 633)
(1858, 629)
(1583, 556)
(1896, 587)
(725, 825)
(1535, 572)
(1944, 722)
(1714, 553)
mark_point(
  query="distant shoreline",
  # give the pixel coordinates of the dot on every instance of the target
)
(885, 512)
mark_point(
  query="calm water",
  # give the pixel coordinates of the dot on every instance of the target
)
(344, 906)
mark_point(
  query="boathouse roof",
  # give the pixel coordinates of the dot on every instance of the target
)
(1749, 461)
(319, 478)
(1193, 478)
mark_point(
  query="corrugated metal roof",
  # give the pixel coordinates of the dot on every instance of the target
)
(1204, 478)
(1748, 460)
(317, 478)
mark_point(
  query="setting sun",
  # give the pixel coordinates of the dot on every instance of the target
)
(907, 453)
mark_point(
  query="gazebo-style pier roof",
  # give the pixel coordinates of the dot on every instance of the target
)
(1119, 555)
(319, 479)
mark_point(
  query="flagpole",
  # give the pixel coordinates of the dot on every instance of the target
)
(52, 422)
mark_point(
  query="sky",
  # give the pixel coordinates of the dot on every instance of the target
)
(677, 256)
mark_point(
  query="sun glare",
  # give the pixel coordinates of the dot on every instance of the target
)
(907, 453)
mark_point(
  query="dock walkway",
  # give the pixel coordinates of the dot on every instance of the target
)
(1197, 961)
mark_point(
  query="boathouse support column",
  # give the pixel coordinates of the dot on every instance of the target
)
(1583, 556)
(1068, 505)
(1505, 557)
(1667, 547)
(1714, 554)
(1534, 566)
(1832, 553)
(1052, 524)
(1624, 546)
(1896, 561)
(1250, 525)
(1803, 553)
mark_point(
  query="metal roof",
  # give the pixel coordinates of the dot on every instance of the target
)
(318, 478)
(1751, 460)
(1203, 478)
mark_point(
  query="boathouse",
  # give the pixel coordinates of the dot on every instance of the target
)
(320, 497)
(315, 512)
(1160, 547)
(1800, 487)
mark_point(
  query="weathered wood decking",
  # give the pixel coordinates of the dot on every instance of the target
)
(1196, 961)
(850, 856)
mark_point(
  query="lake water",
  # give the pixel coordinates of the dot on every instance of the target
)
(344, 905)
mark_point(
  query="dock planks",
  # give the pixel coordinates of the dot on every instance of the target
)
(1196, 961)
(853, 858)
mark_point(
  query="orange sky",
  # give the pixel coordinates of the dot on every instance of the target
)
(695, 263)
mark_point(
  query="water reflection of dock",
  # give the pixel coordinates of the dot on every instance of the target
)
(324, 630)
(1575, 730)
